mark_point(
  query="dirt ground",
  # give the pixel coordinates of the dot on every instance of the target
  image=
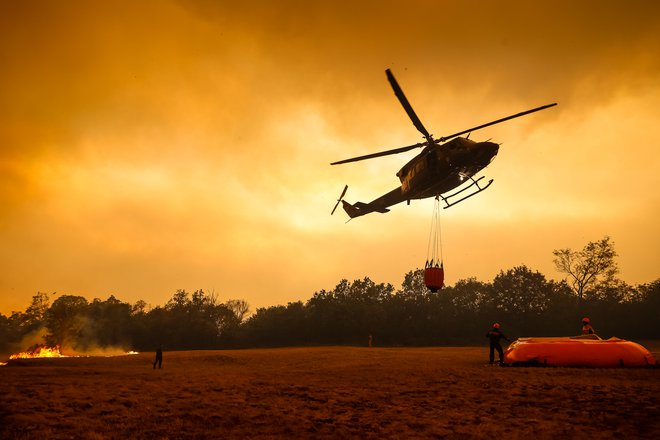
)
(322, 392)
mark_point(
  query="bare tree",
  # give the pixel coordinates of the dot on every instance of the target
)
(585, 268)
(239, 307)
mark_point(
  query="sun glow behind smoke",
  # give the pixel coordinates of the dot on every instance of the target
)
(140, 161)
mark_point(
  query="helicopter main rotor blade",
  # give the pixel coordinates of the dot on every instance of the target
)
(406, 105)
(381, 153)
(517, 115)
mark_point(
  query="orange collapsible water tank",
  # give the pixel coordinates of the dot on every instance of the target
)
(434, 278)
(578, 351)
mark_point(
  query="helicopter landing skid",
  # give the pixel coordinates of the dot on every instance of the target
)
(474, 182)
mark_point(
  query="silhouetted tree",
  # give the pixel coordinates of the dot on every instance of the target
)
(35, 315)
(587, 267)
(407, 313)
(179, 301)
(349, 313)
(19, 325)
(413, 285)
(108, 324)
(227, 324)
(469, 309)
(278, 326)
(64, 320)
(140, 331)
(521, 299)
(470, 296)
(154, 329)
(645, 311)
(188, 321)
(239, 307)
(8, 335)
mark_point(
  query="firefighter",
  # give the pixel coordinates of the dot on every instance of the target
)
(587, 329)
(159, 357)
(494, 335)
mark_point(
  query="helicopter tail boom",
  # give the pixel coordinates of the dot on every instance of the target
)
(360, 208)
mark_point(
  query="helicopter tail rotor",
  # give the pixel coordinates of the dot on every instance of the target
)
(341, 198)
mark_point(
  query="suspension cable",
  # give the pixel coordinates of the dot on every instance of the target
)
(437, 210)
(434, 247)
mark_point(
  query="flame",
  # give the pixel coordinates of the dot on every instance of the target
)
(39, 352)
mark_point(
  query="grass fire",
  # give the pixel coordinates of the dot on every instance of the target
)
(42, 351)
(39, 351)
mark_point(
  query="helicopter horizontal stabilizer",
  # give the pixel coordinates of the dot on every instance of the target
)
(367, 207)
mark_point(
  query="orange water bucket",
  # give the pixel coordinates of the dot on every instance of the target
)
(434, 278)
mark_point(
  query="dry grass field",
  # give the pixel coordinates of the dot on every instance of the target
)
(322, 392)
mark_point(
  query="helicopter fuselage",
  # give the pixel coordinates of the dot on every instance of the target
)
(438, 169)
(441, 168)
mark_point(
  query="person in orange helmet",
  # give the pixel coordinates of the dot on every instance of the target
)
(587, 329)
(495, 335)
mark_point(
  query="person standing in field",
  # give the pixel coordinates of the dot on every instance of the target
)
(587, 329)
(159, 357)
(494, 335)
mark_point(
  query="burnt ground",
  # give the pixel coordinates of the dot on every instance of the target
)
(322, 392)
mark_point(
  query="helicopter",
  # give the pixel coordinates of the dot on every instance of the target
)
(445, 164)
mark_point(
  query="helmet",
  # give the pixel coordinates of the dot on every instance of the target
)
(585, 320)
(496, 325)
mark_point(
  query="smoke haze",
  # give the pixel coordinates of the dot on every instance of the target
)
(162, 145)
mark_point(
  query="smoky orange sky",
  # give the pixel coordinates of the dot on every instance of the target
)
(152, 146)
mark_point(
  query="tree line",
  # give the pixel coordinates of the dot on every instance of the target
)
(521, 299)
